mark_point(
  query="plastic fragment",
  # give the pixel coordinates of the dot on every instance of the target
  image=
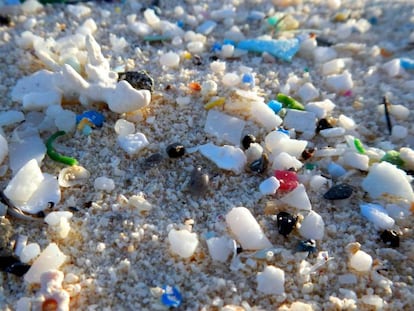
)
(54, 155)
(377, 215)
(93, 117)
(288, 180)
(358, 145)
(283, 49)
(285, 223)
(307, 246)
(390, 238)
(338, 192)
(275, 105)
(289, 102)
(407, 63)
(171, 296)
(393, 157)
(139, 80)
(217, 102)
(155, 38)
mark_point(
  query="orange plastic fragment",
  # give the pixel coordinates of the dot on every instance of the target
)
(195, 86)
(385, 53)
(50, 305)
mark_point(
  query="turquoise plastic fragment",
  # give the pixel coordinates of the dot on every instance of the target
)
(283, 49)
(407, 63)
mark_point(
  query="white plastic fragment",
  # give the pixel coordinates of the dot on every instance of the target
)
(360, 261)
(254, 152)
(356, 160)
(301, 121)
(123, 127)
(377, 215)
(407, 155)
(4, 148)
(340, 82)
(29, 252)
(269, 186)
(312, 226)
(50, 258)
(124, 98)
(170, 60)
(79, 10)
(333, 66)
(278, 142)
(399, 132)
(41, 100)
(308, 92)
(399, 111)
(225, 157)
(320, 108)
(246, 229)
(393, 68)
(317, 182)
(284, 161)
(10, 117)
(133, 143)
(298, 198)
(219, 248)
(386, 178)
(346, 122)
(139, 203)
(226, 128)
(271, 281)
(51, 289)
(375, 301)
(332, 132)
(73, 175)
(31, 6)
(231, 79)
(182, 242)
(24, 183)
(104, 183)
(59, 223)
(323, 54)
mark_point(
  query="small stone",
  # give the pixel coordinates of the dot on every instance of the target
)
(307, 246)
(390, 238)
(139, 80)
(285, 223)
(339, 192)
(323, 124)
(199, 182)
(259, 165)
(175, 150)
(104, 183)
(247, 140)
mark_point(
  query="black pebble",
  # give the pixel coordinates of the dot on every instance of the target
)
(323, 124)
(247, 140)
(199, 182)
(323, 42)
(308, 153)
(197, 61)
(139, 80)
(391, 238)
(285, 223)
(339, 192)
(259, 165)
(5, 20)
(307, 246)
(11, 264)
(175, 150)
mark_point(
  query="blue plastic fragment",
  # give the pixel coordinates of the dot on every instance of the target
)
(248, 79)
(283, 49)
(373, 20)
(86, 130)
(275, 105)
(180, 24)
(228, 41)
(256, 15)
(336, 170)
(284, 131)
(207, 27)
(407, 63)
(307, 246)
(93, 116)
(216, 47)
(171, 296)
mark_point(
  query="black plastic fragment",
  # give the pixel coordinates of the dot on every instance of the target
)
(285, 223)
(390, 238)
(339, 192)
(11, 264)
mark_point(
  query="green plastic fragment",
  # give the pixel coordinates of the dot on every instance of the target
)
(155, 38)
(273, 20)
(393, 157)
(310, 166)
(358, 145)
(54, 155)
(289, 102)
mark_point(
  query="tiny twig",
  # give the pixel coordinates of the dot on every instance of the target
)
(386, 103)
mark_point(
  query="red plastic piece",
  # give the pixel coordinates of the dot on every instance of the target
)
(288, 180)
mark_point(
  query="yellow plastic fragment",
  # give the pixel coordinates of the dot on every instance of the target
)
(214, 103)
(83, 122)
(117, 10)
(187, 55)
